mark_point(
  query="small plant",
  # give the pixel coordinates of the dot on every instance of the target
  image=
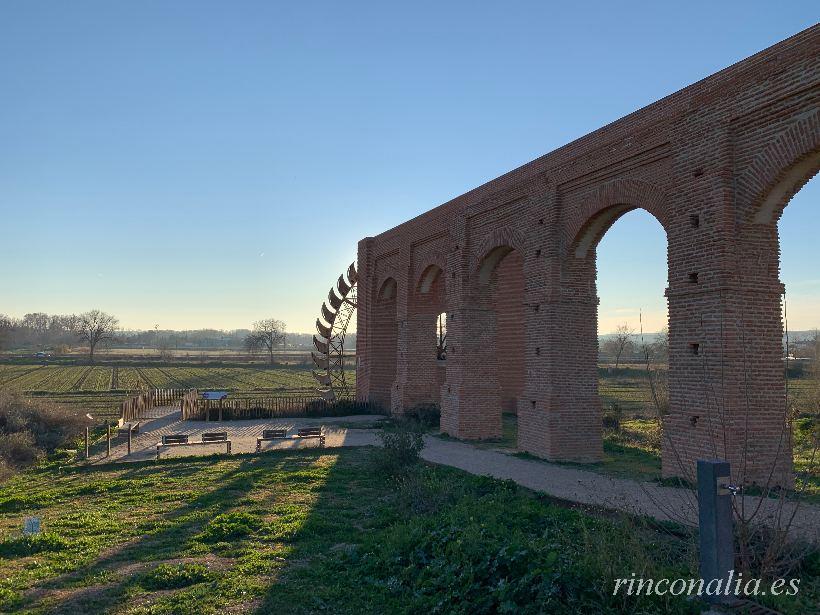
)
(230, 525)
(399, 453)
(30, 544)
(612, 416)
(174, 576)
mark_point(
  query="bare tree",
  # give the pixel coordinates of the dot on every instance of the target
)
(620, 341)
(266, 335)
(94, 327)
(441, 345)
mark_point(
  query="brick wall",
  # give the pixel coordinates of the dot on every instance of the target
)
(715, 163)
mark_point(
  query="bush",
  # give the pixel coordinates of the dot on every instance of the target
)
(426, 415)
(612, 416)
(174, 576)
(19, 449)
(31, 428)
(399, 453)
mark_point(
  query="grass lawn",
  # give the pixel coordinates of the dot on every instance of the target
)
(312, 531)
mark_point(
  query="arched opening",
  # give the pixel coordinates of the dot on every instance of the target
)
(501, 280)
(622, 253)
(798, 221)
(385, 337)
(425, 374)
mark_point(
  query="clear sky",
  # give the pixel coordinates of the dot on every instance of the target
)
(207, 164)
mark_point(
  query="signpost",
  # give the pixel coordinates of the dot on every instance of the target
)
(217, 395)
(220, 395)
(717, 556)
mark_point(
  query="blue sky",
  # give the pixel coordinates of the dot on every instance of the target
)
(194, 164)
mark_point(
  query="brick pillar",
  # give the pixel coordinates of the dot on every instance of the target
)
(508, 302)
(559, 416)
(365, 294)
(559, 412)
(383, 350)
(470, 397)
(726, 381)
(420, 382)
(727, 384)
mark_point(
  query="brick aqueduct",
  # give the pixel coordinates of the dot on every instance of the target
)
(512, 264)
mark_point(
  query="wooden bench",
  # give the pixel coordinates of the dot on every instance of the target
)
(181, 439)
(312, 432)
(270, 434)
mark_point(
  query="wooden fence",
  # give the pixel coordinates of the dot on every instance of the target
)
(276, 407)
(189, 405)
(137, 407)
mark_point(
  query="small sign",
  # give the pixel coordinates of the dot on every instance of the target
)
(214, 395)
(31, 525)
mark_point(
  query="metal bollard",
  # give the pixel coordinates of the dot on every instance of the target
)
(130, 428)
(717, 557)
(86, 443)
(108, 426)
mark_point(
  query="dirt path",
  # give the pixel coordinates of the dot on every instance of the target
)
(567, 483)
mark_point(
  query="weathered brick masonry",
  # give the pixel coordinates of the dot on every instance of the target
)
(513, 265)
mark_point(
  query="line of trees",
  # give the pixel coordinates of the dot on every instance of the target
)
(59, 332)
(39, 330)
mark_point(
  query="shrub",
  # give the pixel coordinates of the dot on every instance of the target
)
(19, 449)
(426, 415)
(612, 416)
(174, 576)
(399, 453)
(30, 428)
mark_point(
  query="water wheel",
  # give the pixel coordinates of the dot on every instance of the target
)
(329, 341)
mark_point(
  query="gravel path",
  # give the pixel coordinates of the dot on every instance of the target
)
(585, 487)
(567, 483)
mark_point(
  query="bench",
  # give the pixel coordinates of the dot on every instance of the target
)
(312, 432)
(181, 439)
(270, 434)
(281, 434)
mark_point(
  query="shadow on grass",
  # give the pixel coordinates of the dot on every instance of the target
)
(177, 529)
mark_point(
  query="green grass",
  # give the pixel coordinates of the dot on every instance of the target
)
(308, 531)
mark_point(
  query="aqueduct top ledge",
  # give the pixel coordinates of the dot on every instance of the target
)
(724, 121)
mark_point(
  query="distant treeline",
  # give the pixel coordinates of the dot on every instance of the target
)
(57, 332)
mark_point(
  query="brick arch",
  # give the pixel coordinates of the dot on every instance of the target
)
(427, 278)
(387, 288)
(611, 201)
(492, 250)
(779, 171)
(432, 264)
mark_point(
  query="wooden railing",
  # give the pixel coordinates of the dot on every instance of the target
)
(275, 407)
(136, 407)
(189, 405)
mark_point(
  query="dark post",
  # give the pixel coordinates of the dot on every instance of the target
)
(108, 426)
(86, 442)
(717, 557)
(129, 439)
